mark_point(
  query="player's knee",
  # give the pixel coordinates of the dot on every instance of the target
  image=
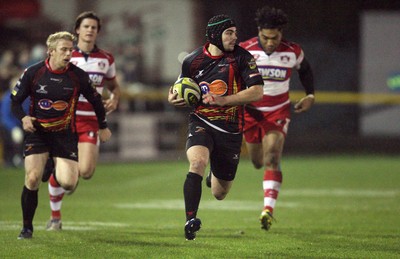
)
(68, 186)
(198, 165)
(67, 182)
(257, 160)
(220, 195)
(257, 163)
(32, 181)
(86, 175)
(220, 192)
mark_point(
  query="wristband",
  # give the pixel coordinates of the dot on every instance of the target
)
(311, 96)
(103, 125)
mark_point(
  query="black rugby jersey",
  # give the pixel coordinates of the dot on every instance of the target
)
(54, 96)
(222, 75)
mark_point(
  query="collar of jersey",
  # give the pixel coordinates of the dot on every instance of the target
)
(55, 71)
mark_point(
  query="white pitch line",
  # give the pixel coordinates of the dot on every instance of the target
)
(340, 193)
(209, 205)
(69, 225)
(229, 205)
(237, 205)
(179, 204)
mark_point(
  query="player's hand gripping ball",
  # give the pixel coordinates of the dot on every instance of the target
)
(187, 89)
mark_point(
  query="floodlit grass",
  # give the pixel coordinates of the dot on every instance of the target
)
(328, 207)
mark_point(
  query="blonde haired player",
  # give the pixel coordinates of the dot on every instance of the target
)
(100, 66)
(53, 86)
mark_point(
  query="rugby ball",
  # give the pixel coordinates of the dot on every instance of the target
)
(187, 89)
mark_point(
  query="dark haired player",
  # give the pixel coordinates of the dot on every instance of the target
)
(267, 121)
(229, 78)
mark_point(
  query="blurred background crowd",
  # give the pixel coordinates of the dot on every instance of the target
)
(149, 38)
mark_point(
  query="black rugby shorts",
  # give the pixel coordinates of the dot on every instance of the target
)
(59, 144)
(224, 148)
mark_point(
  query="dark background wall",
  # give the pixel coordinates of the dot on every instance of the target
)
(329, 32)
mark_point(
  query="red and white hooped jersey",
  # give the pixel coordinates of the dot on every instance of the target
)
(100, 66)
(276, 70)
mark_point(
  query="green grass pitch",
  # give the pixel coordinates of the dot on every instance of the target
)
(329, 207)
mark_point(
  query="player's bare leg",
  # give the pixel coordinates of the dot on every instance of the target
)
(65, 179)
(88, 156)
(272, 147)
(256, 154)
(220, 188)
(198, 157)
(34, 165)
